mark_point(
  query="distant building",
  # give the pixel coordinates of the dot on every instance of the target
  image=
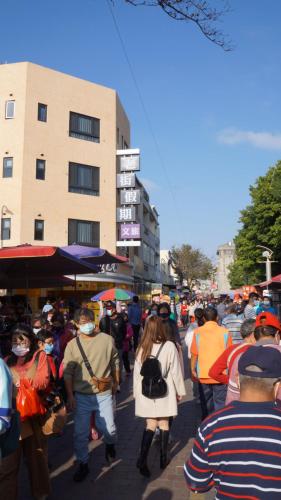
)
(225, 255)
(168, 275)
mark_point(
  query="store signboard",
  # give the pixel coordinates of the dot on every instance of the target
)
(130, 197)
(130, 231)
(130, 163)
(126, 180)
(128, 243)
(126, 214)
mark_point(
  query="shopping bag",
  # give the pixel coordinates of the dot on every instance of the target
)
(28, 400)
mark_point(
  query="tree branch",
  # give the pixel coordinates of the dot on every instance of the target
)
(199, 12)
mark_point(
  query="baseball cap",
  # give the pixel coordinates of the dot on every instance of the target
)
(268, 319)
(267, 359)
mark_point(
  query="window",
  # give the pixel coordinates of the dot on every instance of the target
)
(84, 179)
(84, 127)
(5, 229)
(42, 112)
(39, 230)
(7, 167)
(10, 109)
(40, 169)
(83, 232)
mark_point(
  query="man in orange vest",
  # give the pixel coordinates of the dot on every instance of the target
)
(209, 341)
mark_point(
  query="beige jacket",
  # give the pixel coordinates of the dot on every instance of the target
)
(167, 406)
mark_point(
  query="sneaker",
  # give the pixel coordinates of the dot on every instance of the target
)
(81, 473)
(110, 453)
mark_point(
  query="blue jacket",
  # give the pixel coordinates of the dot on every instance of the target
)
(134, 314)
(6, 386)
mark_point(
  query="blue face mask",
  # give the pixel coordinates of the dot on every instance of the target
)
(153, 312)
(48, 348)
(87, 328)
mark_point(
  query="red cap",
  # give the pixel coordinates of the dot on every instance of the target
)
(268, 319)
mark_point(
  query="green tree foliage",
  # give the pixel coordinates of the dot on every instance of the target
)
(261, 225)
(190, 264)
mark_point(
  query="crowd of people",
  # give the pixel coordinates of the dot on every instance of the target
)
(77, 364)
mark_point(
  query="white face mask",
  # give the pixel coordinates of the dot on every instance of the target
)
(36, 330)
(87, 328)
(109, 312)
(20, 350)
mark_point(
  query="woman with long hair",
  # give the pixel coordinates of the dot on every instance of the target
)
(29, 364)
(157, 411)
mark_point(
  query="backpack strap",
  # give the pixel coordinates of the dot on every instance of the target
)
(159, 350)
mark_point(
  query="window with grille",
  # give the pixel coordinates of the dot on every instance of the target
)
(83, 179)
(84, 127)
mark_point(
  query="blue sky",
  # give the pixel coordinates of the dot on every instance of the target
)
(216, 115)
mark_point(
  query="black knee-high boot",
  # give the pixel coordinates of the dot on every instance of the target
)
(164, 440)
(145, 445)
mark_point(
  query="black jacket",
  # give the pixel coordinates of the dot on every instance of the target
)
(116, 327)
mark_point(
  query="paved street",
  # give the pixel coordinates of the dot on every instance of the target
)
(122, 480)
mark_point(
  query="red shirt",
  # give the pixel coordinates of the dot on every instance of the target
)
(221, 364)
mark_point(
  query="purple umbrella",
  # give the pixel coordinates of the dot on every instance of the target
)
(93, 255)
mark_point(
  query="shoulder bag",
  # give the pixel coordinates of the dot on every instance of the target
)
(103, 383)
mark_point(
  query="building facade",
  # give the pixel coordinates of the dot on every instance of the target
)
(226, 254)
(58, 143)
(168, 275)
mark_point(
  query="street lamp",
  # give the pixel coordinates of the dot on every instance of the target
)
(267, 254)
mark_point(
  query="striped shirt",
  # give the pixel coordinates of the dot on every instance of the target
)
(233, 323)
(238, 452)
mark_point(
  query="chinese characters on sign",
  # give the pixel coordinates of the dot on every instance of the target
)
(126, 180)
(130, 231)
(130, 197)
(126, 214)
(129, 163)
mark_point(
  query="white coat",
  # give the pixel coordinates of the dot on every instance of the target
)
(166, 406)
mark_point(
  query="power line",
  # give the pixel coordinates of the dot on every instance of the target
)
(145, 112)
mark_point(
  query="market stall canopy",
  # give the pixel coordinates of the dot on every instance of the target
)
(93, 255)
(35, 282)
(274, 281)
(113, 294)
(27, 262)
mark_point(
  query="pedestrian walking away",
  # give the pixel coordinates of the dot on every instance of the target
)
(91, 374)
(135, 317)
(209, 341)
(157, 410)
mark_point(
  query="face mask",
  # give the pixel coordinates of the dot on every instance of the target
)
(164, 315)
(109, 312)
(20, 350)
(266, 303)
(256, 302)
(153, 312)
(36, 330)
(87, 329)
(48, 348)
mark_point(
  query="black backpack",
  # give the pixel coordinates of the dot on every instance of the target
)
(154, 385)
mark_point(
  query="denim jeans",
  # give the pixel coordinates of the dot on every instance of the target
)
(212, 398)
(102, 405)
